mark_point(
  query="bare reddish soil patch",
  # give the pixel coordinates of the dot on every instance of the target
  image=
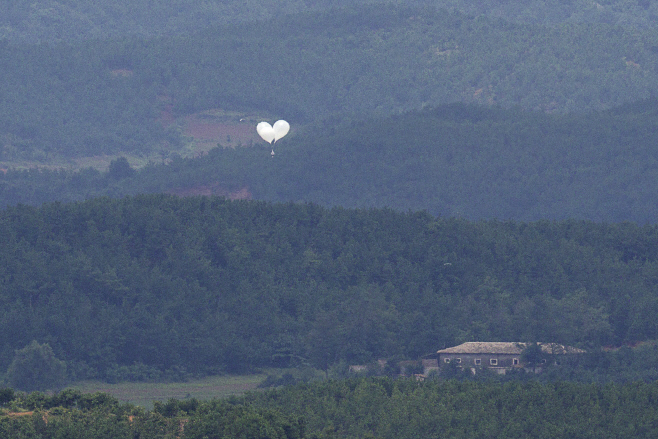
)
(200, 129)
(18, 414)
(167, 115)
(223, 132)
(210, 128)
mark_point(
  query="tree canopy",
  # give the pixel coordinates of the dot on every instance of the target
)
(356, 408)
(161, 287)
(108, 96)
(456, 160)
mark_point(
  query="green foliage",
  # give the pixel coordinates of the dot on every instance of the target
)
(625, 13)
(52, 21)
(98, 97)
(105, 419)
(455, 160)
(408, 409)
(370, 407)
(120, 168)
(532, 355)
(159, 287)
(173, 407)
(35, 367)
(220, 420)
(56, 20)
(6, 395)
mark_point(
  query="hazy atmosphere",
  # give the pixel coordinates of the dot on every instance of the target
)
(328, 219)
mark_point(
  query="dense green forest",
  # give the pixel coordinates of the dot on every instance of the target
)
(107, 96)
(437, 409)
(70, 414)
(414, 124)
(628, 13)
(66, 20)
(178, 286)
(456, 160)
(357, 408)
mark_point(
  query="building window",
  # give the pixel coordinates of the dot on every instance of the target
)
(515, 361)
(458, 360)
(446, 360)
(493, 362)
(478, 361)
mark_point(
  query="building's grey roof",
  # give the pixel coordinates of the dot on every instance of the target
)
(502, 347)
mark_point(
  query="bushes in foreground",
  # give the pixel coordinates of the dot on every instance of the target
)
(357, 408)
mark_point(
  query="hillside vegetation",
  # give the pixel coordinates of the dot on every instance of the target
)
(455, 160)
(53, 20)
(413, 126)
(71, 20)
(105, 97)
(407, 409)
(363, 408)
(205, 285)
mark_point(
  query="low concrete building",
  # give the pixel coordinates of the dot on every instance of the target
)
(498, 356)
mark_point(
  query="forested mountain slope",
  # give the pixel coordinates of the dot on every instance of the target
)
(639, 14)
(103, 97)
(200, 285)
(67, 20)
(455, 160)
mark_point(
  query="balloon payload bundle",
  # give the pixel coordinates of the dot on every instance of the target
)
(270, 133)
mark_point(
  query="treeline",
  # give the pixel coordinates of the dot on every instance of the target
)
(168, 287)
(99, 416)
(389, 408)
(356, 408)
(455, 160)
(101, 97)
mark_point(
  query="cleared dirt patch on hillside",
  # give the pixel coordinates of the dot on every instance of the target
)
(18, 414)
(201, 132)
(212, 127)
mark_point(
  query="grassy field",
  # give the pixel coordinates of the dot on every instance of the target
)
(143, 394)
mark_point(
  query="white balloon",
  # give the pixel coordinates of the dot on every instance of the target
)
(281, 128)
(266, 131)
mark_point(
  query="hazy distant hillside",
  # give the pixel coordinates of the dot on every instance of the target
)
(67, 20)
(629, 13)
(455, 160)
(108, 96)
